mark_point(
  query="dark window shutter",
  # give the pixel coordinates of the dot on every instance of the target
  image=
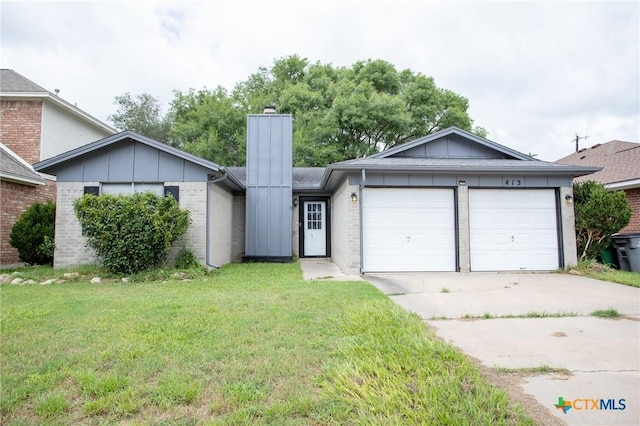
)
(174, 191)
(93, 190)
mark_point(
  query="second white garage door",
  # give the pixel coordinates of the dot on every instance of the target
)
(408, 229)
(513, 230)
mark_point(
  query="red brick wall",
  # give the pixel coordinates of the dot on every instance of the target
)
(14, 200)
(20, 128)
(633, 197)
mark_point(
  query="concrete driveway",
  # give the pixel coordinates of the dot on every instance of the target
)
(487, 316)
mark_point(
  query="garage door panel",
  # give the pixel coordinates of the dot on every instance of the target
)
(408, 229)
(513, 230)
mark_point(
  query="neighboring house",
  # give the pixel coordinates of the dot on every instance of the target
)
(34, 125)
(450, 201)
(620, 162)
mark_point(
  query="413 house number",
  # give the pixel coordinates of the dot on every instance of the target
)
(513, 182)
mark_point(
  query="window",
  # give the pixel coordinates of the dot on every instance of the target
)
(131, 188)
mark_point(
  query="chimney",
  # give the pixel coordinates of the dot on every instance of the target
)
(269, 187)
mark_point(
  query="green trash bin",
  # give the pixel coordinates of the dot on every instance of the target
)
(609, 257)
(628, 248)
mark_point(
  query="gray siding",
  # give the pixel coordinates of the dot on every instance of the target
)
(269, 186)
(451, 146)
(130, 161)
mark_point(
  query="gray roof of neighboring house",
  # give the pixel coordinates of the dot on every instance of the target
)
(15, 86)
(14, 169)
(51, 163)
(620, 161)
(304, 178)
(12, 82)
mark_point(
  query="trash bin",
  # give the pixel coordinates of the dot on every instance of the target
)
(628, 248)
(609, 257)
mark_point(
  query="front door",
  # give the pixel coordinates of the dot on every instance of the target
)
(315, 224)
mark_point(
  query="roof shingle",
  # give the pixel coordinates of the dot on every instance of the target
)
(620, 161)
(12, 82)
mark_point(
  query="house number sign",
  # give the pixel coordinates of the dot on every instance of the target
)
(513, 182)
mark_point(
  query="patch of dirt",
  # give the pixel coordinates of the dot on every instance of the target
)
(512, 383)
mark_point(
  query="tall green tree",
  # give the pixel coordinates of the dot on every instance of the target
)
(208, 123)
(599, 214)
(142, 114)
(339, 113)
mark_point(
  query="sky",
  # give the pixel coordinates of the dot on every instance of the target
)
(535, 73)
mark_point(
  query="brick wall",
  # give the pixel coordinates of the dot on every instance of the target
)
(633, 197)
(237, 224)
(221, 225)
(345, 229)
(20, 128)
(14, 200)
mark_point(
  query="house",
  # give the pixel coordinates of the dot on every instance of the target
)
(450, 201)
(620, 162)
(34, 125)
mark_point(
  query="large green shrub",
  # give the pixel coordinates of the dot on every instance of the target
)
(33, 234)
(599, 214)
(131, 233)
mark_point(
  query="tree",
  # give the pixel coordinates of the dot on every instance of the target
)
(33, 234)
(339, 112)
(207, 123)
(142, 114)
(599, 214)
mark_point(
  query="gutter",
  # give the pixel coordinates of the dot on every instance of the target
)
(363, 181)
(208, 220)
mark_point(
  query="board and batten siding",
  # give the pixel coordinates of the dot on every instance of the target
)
(64, 132)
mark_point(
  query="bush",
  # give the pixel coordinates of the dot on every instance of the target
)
(33, 234)
(186, 260)
(131, 233)
(599, 214)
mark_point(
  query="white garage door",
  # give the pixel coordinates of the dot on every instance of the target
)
(408, 229)
(513, 230)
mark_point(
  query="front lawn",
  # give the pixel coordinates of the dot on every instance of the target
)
(248, 344)
(598, 271)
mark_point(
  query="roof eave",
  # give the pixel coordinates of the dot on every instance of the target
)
(572, 171)
(10, 177)
(61, 103)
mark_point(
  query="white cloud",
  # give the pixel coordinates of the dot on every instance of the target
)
(535, 73)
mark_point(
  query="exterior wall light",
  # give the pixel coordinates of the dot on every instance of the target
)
(295, 201)
(569, 198)
(462, 182)
(354, 197)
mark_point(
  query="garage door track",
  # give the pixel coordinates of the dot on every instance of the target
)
(526, 323)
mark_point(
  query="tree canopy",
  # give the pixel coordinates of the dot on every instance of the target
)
(141, 114)
(339, 113)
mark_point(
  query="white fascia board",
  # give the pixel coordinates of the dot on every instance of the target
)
(20, 179)
(61, 103)
(625, 184)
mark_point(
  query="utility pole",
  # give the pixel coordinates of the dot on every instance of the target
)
(577, 139)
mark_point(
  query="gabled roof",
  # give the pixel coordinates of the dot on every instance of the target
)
(14, 86)
(14, 169)
(304, 178)
(12, 82)
(58, 160)
(620, 162)
(453, 131)
(482, 157)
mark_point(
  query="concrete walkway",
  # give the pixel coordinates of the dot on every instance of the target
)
(324, 269)
(602, 355)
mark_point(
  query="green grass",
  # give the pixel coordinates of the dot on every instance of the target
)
(598, 271)
(248, 344)
(542, 369)
(606, 313)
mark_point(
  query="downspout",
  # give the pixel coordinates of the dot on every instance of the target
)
(363, 181)
(208, 220)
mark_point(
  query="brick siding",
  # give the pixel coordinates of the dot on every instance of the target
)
(633, 197)
(20, 128)
(345, 229)
(15, 198)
